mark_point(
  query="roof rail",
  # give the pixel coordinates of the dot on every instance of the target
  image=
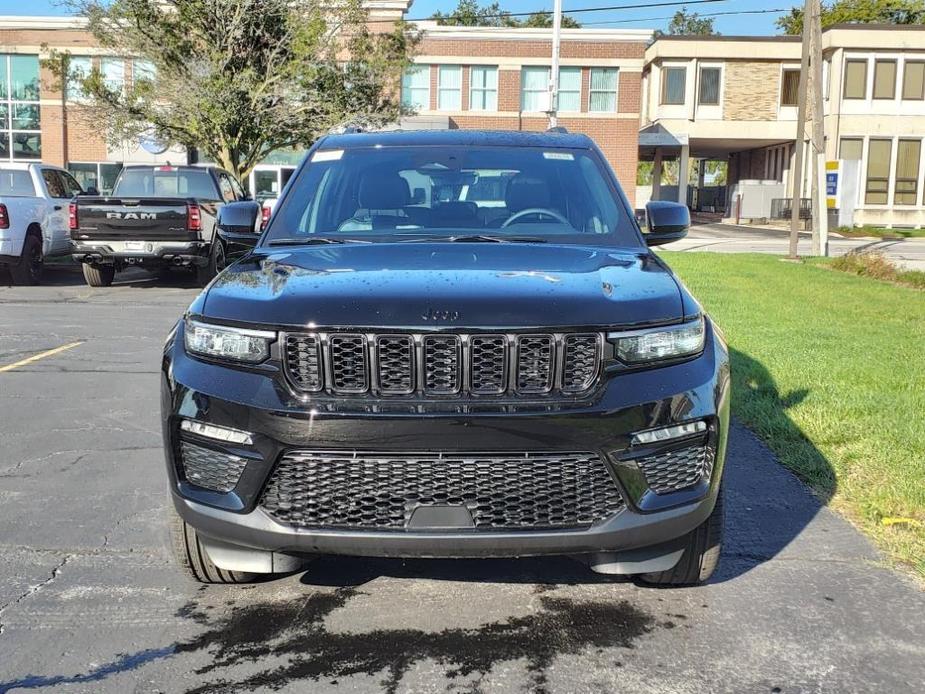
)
(561, 129)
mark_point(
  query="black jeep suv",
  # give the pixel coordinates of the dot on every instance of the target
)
(447, 344)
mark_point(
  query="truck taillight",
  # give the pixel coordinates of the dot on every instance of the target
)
(264, 217)
(4, 217)
(193, 218)
(72, 216)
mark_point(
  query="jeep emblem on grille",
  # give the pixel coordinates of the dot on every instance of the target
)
(438, 315)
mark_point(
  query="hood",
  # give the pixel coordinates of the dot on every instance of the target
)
(444, 285)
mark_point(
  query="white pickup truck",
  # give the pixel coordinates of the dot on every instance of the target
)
(34, 206)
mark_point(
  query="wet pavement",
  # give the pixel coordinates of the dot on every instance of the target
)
(90, 602)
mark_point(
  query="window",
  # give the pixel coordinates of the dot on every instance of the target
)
(570, 89)
(20, 122)
(143, 70)
(80, 69)
(162, 181)
(113, 70)
(224, 186)
(603, 97)
(100, 176)
(914, 80)
(878, 172)
(449, 88)
(73, 187)
(708, 94)
(534, 89)
(790, 88)
(16, 183)
(851, 148)
(907, 171)
(415, 87)
(885, 79)
(855, 79)
(483, 88)
(54, 184)
(673, 79)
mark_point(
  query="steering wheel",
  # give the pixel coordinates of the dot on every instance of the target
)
(534, 210)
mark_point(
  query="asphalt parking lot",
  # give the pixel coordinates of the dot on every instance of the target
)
(89, 600)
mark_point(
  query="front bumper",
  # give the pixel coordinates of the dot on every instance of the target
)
(257, 401)
(141, 252)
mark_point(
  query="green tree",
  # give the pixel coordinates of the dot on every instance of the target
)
(469, 13)
(858, 12)
(238, 79)
(686, 23)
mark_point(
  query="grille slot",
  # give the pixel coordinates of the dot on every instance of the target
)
(582, 356)
(210, 469)
(488, 366)
(395, 363)
(443, 365)
(349, 364)
(381, 490)
(303, 362)
(670, 471)
(535, 360)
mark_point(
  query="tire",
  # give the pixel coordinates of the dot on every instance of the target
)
(192, 558)
(99, 275)
(205, 273)
(701, 554)
(28, 272)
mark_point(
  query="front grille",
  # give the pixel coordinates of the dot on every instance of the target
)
(522, 491)
(443, 365)
(671, 471)
(210, 469)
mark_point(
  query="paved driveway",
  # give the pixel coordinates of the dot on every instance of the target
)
(89, 600)
(729, 238)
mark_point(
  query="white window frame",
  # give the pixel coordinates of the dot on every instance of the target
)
(534, 91)
(573, 71)
(615, 91)
(486, 93)
(449, 98)
(113, 82)
(9, 104)
(407, 89)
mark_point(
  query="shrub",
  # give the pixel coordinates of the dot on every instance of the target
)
(878, 267)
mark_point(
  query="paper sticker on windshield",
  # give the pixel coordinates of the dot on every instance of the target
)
(561, 156)
(327, 155)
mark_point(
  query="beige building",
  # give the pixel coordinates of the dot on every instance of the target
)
(735, 99)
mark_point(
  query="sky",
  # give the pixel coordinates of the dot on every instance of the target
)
(643, 18)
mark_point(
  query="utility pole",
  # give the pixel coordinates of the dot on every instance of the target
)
(554, 74)
(820, 208)
(796, 175)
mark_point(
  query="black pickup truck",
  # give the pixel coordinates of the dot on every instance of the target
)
(157, 217)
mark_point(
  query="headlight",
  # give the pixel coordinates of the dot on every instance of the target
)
(223, 342)
(657, 344)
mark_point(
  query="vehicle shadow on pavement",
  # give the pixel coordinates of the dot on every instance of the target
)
(70, 275)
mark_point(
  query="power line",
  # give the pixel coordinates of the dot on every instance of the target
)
(606, 8)
(708, 14)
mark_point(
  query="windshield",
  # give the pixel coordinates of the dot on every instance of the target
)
(433, 192)
(166, 183)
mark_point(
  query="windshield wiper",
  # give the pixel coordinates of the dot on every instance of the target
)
(311, 240)
(485, 238)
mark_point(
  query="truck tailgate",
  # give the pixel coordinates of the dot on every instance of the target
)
(149, 219)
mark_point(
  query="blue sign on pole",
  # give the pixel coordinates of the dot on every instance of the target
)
(831, 183)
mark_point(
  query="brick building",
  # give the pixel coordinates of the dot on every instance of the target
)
(497, 78)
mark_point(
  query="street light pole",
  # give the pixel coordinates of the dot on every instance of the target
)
(796, 174)
(554, 75)
(820, 208)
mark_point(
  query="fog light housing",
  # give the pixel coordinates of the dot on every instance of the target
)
(677, 431)
(210, 469)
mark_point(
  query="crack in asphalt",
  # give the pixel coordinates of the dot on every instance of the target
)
(34, 589)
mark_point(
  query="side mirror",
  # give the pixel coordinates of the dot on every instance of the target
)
(92, 191)
(236, 223)
(668, 221)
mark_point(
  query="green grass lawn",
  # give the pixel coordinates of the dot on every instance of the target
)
(829, 370)
(880, 232)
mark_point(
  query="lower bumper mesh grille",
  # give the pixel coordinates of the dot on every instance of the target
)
(382, 491)
(210, 469)
(670, 471)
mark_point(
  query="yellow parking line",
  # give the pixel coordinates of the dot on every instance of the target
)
(40, 355)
